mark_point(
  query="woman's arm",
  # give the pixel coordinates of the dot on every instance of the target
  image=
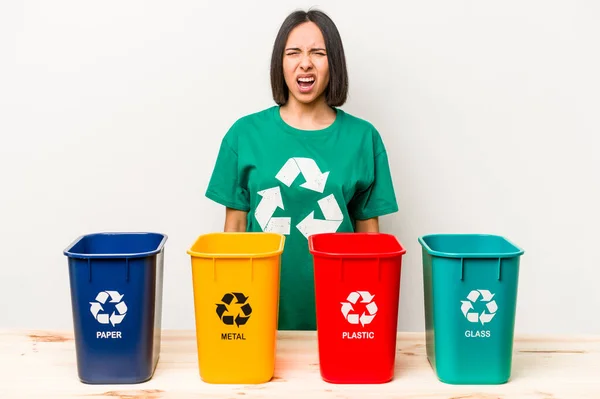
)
(235, 220)
(367, 225)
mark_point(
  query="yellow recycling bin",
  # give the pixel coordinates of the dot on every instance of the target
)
(236, 302)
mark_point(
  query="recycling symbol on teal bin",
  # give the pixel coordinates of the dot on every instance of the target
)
(484, 296)
(226, 309)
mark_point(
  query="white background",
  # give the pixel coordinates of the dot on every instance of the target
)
(111, 115)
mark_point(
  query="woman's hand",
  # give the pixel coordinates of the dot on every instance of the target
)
(367, 225)
(235, 220)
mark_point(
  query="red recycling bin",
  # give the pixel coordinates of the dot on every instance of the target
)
(357, 288)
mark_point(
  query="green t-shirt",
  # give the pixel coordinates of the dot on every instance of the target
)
(298, 183)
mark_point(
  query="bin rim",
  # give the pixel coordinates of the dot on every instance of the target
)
(480, 255)
(356, 255)
(78, 255)
(254, 255)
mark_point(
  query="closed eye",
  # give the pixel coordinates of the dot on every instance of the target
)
(292, 51)
(295, 51)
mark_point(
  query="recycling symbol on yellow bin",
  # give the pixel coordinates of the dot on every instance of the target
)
(315, 181)
(226, 309)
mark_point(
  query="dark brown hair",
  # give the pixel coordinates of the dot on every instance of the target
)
(337, 88)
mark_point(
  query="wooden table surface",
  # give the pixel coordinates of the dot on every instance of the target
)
(41, 364)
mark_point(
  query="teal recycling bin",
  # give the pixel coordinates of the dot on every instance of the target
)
(470, 294)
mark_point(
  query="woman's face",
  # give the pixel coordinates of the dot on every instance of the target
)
(305, 64)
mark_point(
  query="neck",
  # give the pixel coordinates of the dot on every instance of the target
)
(316, 115)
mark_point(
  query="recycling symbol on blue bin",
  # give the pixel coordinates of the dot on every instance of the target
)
(226, 309)
(105, 318)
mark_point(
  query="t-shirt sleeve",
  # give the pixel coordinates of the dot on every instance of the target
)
(224, 186)
(378, 198)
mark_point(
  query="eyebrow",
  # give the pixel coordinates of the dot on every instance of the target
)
(312, 49)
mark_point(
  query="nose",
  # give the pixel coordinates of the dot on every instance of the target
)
(306, 62)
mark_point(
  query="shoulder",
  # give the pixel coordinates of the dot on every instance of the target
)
(362, 129)
(246, 124)
(354, 120)
(257, 118)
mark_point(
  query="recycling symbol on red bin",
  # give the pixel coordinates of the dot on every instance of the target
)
(355, 318)
(98, 311)
(483, 296)
(225, 309)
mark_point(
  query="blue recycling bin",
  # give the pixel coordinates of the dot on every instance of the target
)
(116, 282)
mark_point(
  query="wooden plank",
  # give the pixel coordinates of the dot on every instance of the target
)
(41, 364)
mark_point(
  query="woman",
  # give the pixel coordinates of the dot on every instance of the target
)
(303, 166)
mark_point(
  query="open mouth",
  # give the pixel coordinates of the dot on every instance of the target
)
(305, 83)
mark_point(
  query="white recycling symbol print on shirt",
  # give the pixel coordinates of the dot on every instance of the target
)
(315, 181)
(469, 311)
(98, 311)
(367, 316)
